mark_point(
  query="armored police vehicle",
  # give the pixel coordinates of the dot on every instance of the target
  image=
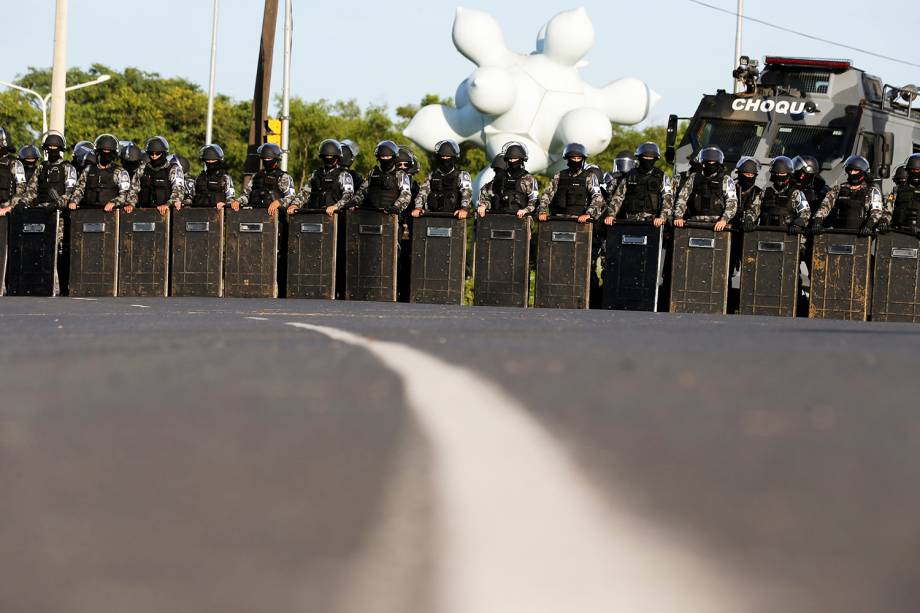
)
(804, 106)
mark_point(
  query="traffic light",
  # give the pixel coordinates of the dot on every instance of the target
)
(273, 131)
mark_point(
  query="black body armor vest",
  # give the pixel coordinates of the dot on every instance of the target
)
(7, 179)
(265, 188)
(155, 186)
(325, 189)
(643, 192)
(382, 190)
(507, 189)
(445, 191)
(209, 189)
(101, 187)
(849, 209)
(776, 207)
(906, 208)
(571, 195)
(51, 177)
(707, 198)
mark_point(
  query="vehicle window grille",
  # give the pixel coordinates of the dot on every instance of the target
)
(809, 82)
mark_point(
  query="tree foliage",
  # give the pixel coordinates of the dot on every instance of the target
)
(135, 105)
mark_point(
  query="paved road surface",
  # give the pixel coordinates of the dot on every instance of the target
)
(208, 456)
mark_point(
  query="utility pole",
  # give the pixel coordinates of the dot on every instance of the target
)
(286, 90)
(209, 126)
(739, 20)
(59, 67)
(262, 94)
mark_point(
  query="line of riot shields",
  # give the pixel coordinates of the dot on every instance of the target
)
(249, 253)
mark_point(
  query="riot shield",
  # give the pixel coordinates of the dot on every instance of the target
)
(896, 284)
(438, 259)
(33, 250)
(143, 253)
(251, 254)
(93, 252)
(632, 273)
(197, 252)
(4, 232)
(502, 268)
(371, 255)
(699, 272)
(311, 255)
(840, 276)
(563, 263)
(769, 272)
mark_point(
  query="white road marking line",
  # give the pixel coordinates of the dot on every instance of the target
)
(141, 306)
(520, 529)
(258, 318)
(88, 299)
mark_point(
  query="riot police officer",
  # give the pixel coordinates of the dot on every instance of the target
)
(408, 163)
(349, 153)
(448, 189)
(386, 188)
(903, 211)
(157, 183)
(55, 180)
(270, 186)
(513, 190)
(622, 164)
(131, 158)
(83, 155)
(708, 195)
(330, 188)
(781, 204)
(746, 171)
(498, 166)
(852, 205)
(678, 180)
(104, 184)
(644, 192)
(574, 190)
(806, 177)
(12, 174)
(213, 187)
(29, 155)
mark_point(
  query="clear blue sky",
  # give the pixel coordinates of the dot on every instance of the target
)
(395, 52)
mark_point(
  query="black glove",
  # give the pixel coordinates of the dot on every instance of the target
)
(817, 226)
(865, 229)
(797, 226)
(748, 225)
(882, 227)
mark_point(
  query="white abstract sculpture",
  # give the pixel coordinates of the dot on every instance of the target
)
(537, 99)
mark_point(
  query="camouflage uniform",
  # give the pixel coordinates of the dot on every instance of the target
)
(729, 196)
(346, 188)
(874, 205)
(405, 191)
(122, 181)
(176, 181)
(227, 189)
(29, 196)
(465, 187)
(797, 202)
(618, 196)
(527, 184)
(285, 188)
(17, 173)
(595, 205)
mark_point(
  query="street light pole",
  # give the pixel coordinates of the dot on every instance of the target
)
(286, 90)
(739, 20)
(43, 100)
(211, 81)
(59, 67)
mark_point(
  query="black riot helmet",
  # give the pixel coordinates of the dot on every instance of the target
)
(575, 150)
(404, 158)
(624, 162)
(53, 138)
(211, 153)
(270, 154)
(780, 171)
(83, 155)
(386, 148)
(106, 147)
(499, 163)
(349, 152)
(805, 164)
(746, 171)
(29, 155)
(711, 160)
(648, 150)
(856, 167)
(157, 144)
(913, 169)
(447, 148)
(330, 152)
(131, 156)
(900, 175)
(514, 151)
(5, 141)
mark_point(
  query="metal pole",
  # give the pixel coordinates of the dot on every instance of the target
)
(739, 20)
(211, 81)
(262, 93)
(286, 89)
(59, 68)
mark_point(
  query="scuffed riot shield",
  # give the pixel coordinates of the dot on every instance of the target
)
(93, 252)
(699, 273)
(438, 259)
(769, 273)
(197, 252)
(502, 265)
(896, 285)
(371, 254)
(251, 254)
(4, 231)
(311, 252)
(33, 250)
(632, 273)
(143, 253)
(563, 264)
(840, 276)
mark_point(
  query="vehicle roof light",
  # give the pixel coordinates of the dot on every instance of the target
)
(775, 60)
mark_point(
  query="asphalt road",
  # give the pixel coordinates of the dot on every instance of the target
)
(207, 456)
